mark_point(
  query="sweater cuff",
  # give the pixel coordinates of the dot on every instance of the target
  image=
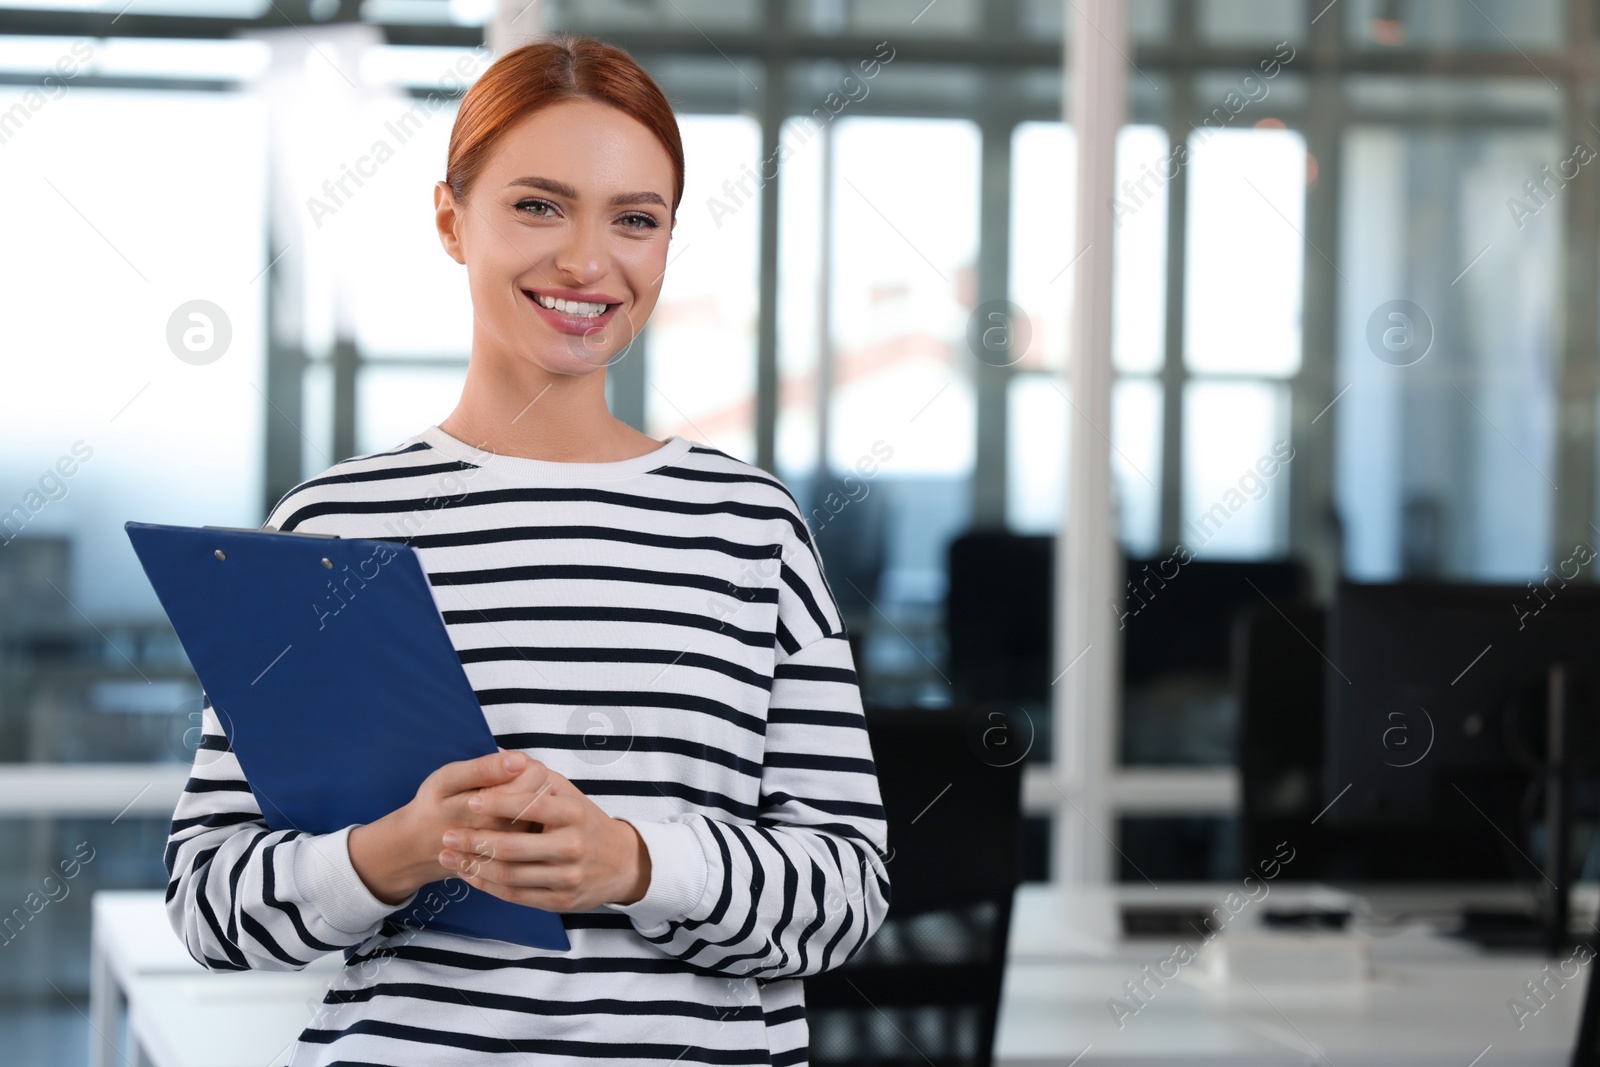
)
(326, 880)
(678, 875)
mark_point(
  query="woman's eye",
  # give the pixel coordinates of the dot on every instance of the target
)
(640, 222)
(526, 205)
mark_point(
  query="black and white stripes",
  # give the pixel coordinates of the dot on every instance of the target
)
(659, 631)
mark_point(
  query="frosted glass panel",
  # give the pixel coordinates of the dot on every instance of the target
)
(1252, 21)
(1036, 453)
(1246, 218)
(1139, 260)
(1044, 252)
(406, 295)
(1445, 460)
(1136, 462)
(1236, 469)
(1038, 420)
(800, 282)
(1043, 223)
(905, 245)
(702, 336)
(108, 254)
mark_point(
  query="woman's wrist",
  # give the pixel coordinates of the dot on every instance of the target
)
(634, 864)
(381, 854)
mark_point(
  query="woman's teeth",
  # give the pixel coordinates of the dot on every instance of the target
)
(577, 308)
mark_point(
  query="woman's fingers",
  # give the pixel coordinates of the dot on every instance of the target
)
(493, 769)
(533, 897)
(500, 850)
(537, 780)
(536, 806)
(477, 821)
(501, 873)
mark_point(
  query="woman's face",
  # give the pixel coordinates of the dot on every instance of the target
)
(564, 235)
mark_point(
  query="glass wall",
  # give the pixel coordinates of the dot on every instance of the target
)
(903, 237)
(1446, 438)
(1043, 259)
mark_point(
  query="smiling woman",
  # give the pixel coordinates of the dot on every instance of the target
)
(564, 177)
(685, 776)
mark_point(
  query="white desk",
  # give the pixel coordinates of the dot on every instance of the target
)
(1430, 1000)
(128, 936)
(130, 939)
(242, 1019)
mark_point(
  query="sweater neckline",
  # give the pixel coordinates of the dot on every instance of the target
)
(554, 472)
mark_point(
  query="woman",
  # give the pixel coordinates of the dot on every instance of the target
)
(647, 627)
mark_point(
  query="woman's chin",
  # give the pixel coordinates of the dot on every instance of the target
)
(576, 359)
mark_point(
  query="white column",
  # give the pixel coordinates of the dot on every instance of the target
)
(1088, 563)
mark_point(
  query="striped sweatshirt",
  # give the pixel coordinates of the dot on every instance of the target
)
(657, 629)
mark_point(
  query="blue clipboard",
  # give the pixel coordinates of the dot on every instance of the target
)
(332, 673)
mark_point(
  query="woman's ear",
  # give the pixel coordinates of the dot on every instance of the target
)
(447, 220)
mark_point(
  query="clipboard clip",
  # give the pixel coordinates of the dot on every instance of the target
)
(271, 529)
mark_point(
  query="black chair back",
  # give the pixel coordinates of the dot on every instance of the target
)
(1278, 676)
(998, 618)
(925, 989)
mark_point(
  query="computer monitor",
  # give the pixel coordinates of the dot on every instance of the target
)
(1437, 697)
(1443, 703)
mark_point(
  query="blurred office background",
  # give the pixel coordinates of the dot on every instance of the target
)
(1285, 171)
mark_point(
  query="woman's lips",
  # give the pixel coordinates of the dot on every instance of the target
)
(573, 324)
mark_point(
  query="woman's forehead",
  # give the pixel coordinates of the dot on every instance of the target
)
(583, 143)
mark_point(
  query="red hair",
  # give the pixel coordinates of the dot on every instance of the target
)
(534, 76)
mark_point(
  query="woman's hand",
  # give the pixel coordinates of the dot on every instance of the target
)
(399, 853)
(581, 857)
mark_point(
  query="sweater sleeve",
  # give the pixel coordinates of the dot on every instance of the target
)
(241, 896)
(802, 888)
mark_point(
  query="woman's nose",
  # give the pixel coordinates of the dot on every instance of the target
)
(582, 254)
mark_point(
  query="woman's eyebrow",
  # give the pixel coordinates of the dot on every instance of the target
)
(550, 185)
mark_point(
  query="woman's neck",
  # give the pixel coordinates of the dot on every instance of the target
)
(524, 410)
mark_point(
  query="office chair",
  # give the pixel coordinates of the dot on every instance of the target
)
(1178, 704)
(1278, 678)
(1175, 637)
(925, 989)
(998, 616)
(1182, 624)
